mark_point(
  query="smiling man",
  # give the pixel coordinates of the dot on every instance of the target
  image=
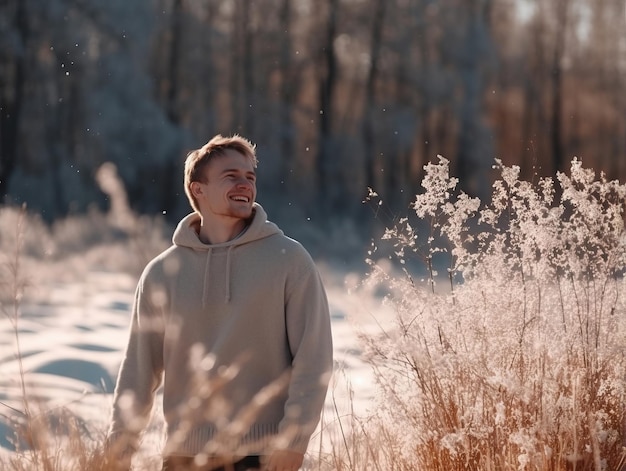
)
(233, 321)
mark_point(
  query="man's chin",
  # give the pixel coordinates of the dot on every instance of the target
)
(241, 213)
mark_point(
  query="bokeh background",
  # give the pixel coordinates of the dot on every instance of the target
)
(338, 95)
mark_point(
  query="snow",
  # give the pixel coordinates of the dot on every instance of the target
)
(72, 336)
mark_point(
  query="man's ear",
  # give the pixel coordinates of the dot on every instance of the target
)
(196, 189)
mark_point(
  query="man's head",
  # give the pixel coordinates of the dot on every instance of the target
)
(218, 148)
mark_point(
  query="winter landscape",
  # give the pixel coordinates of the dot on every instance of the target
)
(477, 299)
(513, 358)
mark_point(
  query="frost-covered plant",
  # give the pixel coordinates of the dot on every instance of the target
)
(522, 364)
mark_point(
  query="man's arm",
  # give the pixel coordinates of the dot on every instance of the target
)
(139, 377)
(310, 341)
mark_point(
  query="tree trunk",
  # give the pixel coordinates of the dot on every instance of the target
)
(11, 100)
(249, 106)
(372, 162)
(556, 130)
(532, 109)
(172, 87)
(326, 92)
(288, 87)
(474, 144)
(241, 68)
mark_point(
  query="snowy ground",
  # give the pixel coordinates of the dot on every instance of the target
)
(71, 341)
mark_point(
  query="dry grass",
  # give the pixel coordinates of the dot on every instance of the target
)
(522, 365)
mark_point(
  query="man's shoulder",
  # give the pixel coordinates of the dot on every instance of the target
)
(167, 253)
(286, 252)
(284, 243)
(168, 256)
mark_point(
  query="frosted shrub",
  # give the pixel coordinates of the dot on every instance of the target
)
(519, 363)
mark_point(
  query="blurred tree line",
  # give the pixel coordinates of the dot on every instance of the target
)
(338, 95)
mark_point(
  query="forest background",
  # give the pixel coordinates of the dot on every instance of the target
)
(338, 95)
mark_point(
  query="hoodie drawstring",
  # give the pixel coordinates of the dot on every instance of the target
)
(228, 273)
(207, 270)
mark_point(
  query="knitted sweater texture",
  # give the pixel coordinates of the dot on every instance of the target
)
(237, 334)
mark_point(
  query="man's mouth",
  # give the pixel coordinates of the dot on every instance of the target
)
(240, 198)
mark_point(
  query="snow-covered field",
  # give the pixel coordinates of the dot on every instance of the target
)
(71, 340)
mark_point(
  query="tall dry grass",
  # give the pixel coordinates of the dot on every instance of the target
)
(513, 357)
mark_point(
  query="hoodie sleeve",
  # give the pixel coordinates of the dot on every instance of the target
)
(310, 341)
(140, 373)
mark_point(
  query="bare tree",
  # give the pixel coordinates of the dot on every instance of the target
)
(603, 68)
(557, 84)
(475, 152)
(372, 163)
(327, 78)
(289, 86)
(13, 54)
(242, 66)
(171, 82)
(532, 109)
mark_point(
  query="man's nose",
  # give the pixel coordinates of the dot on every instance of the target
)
(243, 183)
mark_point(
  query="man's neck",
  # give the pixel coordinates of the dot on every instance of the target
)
(218, 232)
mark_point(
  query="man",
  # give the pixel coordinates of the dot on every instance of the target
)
(233, 320)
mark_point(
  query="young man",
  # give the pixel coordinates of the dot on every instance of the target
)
(233, 320)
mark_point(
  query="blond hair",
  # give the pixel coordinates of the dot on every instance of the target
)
(198, 159)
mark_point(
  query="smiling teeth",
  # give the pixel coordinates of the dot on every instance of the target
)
(240, 198)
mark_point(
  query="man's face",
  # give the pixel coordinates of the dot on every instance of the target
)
(230, 188)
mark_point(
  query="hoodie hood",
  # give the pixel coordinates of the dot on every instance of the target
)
(186, 235)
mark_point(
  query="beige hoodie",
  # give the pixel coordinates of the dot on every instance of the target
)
(241, 331)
